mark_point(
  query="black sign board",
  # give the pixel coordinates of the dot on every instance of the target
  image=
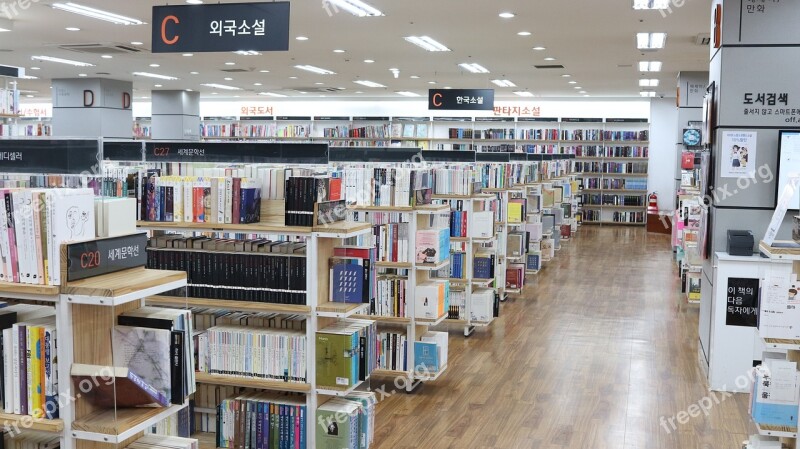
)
(12, 72)
(287, 118)
(582, 120)
(332, 119)
(517, 157)
(220, 119)
(237, 152)
(104, 256)
(64, 157)
(370, 119)
(123, 151)
(492, 157)
(448, 156)
(361, 154)
(221, 27)
(535, 157)
(494, 119)
(626, 120)
(257, 118)
(461, 99)
(537, 119)
(742, 307)
(412, 119)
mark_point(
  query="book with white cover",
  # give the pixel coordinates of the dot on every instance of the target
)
(73, 220)
(148, 352)
(482, 224)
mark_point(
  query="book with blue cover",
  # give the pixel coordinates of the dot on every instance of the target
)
(346, 281)
(426, 356)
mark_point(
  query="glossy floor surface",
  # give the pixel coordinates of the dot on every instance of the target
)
(597, 350)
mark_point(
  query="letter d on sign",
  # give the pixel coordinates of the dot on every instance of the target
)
(164, 22)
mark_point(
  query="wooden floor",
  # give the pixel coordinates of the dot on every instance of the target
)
(598, 349)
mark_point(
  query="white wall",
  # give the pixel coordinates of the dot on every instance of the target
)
(662, 167)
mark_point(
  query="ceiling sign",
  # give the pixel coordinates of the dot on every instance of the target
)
(222, 27)
(461, 99)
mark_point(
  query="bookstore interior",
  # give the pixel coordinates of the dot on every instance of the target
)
(354, 224)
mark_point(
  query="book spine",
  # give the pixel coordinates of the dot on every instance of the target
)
(156, 395)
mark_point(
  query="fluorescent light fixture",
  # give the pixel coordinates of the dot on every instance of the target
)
(447, 87)
(62, 61)
(647, 93)
(83, 75)
(194, 2)
(188, 54)
(263, 71)
(369, 83)
(407, 94)
(507, 15)
(572, 82)
(524, 33)
(577, 87)
(317, 70)
(473, 67)
(431, 82)
(247, 53)
(650, 66)
(356, 8)
(427, 43)
(159, 85)
(504, 83)
(271, 94)
(194, 73)
(414, 77)
(35, 68)
(648, 82)
(650, 4)
(155, 65)
(650, 41)
(95, 13)
(220, 86)
(369, 61)
(107, 57)
(72, 29)
(257, 84)
(292, 77)
(137, 43)
(155, 75)
(582, 92)
(549, 59)
(301, 38)
(524, 93)
(338, 50)
(230, 63)
(566, 75)
(29, 77)
(227, 78)
(540, 48)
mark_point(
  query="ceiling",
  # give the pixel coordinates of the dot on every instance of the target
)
(593, 39)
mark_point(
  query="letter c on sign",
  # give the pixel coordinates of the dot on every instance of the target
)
(437, 100)
(164, 30)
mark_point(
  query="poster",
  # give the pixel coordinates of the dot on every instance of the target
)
(780, 306)
(742, 308)
(738, 155)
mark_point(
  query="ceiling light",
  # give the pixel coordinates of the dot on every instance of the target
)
(194, 2)
(566, 75)
(230, 63)
(407, 94)
(549, 59)
(582, 92)
(106, 57)
(155, 65)
(189, 90)
(188, 54)
(540, 48)
(155, 75)
(356, 8)
(427, 43)
(72, 29)
(257, 84)
(317, 70)
(29, 77)
(650, 66)
(220, 86)
(227, 78)
(395, 72)
(6, 25)
(647, 93)
(369, 61)
(213, 93)
(97, 14)
(301, 38)
(338, 51)
(431, 82)
(359, 92)
(83, 75)
(587, 95)
(271, 94)
(159, 85)
(29, 96)
(61, 61)
(524, 33)
(447, 87)
(137, 43)
(650, 4)
(650, 41)
(320, 84)
(648, 82)
(292, 77)
(572, 82)
(35, 68)
(263, 71)
(194, 73)
(474, 67)
(507, 15)
(524, 93)
(247, 53)
(504, 83)
(577, 87)
(369, 83)
(414, 77)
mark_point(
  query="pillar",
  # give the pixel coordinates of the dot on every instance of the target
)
(176, 115)
(92, 107)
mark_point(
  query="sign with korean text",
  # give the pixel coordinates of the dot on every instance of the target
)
(761, 22)
(63, 157)
(742, 302)
(89, 259)
(237, 152)
(518, 111)
(221, 27)
(461, 99)
(250, 110)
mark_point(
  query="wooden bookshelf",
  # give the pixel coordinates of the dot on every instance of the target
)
(390, 373)
(206, 440)
(785, 249)
(11, 289)
(41, 425)
(384, 319)
(122, 421)
(776, 431)
(124, 284)
(248, 382)
(339, 310)
(396, 265)
(243, 306)
(264, 227)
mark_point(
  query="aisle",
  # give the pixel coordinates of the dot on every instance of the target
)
(595, 353)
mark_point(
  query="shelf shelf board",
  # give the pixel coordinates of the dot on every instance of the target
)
(581, 142)
(484, 282)
(461, 197)
(239, 306)
(110, 426)
(390, 373)
(432, 209)
(431, 321)
(11, 116)
(338, 392)
(247, 382)
(608, 206)
(777, 343)
(459, 239)
(531, 271)
(264, 227)
(343, 229)
(613, 223)
(384, 319)
(454, 321)
(122, 287)
(41, 425)
(785, 249)
(514, 291)
(206, 440)
(381, 208)
(397, 265)
(430, 377)
(432, 266)
(340, 310)
(776, 431)
(27, 291)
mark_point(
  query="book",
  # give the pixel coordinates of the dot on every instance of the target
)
(432, 245)
(148, 351)
(339, 422)
(431, 299)
(775, 393)
(110, 387)
(346, 281)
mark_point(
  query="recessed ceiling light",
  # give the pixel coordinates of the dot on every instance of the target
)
(648, 82)
(137, 43)
(582, 92)
(155, 65)
(257, 84)
(339, 51)
(227, 78)
(72, 29)
(647, 93)
(473, 67)
(319, 84)
(539, 48)
(406, 93)
(369, 61)
(29, 96)
(188, 54)
(414, 77)
(271, 94)
(650, 66)
(159, 85)
(395, 73)
(507, 15)
(572, 82)
(263, 71)
(35, 68)
(524, 33)
(213, 93)
(566, 75)
(62, 61)
(292, 77)
(427, 43)
(247, 53)
(95, 13)
(504, 83)
(587, 95)
(230, 63)
(431, 82)
(524, 93)
(650, 41)
(313, 69)
(650, 4)
(221, 86)
(301, 38)
(154, 75)
(356, 8)
(369, 83)
(106, 57)
(189, 90)
(549, 59)
(29, 77)
(577, 87)
(194, 73)
(194, 2)
(447, 87)
(359, 92)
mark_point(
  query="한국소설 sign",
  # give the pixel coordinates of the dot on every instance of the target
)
(221, 27)
(461, 99)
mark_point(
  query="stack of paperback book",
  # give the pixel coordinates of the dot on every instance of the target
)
(346, 353)
(310, 200)
(348, 422)
(262, 421)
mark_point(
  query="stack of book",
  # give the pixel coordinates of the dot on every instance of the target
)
(262, 421)
(9, 101)
(400, 187)
(352, 275)
(483, 266)
(432, 299)
(482, 308)
(430, 352)
(306, 196)
(390, 300)
(775, 393)
(346, 353)
(517, 210)
(348, 422)
(458, 304)
(515, 275)
(393, 351)
(455, 181)
(433, 245)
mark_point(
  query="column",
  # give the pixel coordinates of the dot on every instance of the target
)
(176, 115)
(92, 107)
(691, 91)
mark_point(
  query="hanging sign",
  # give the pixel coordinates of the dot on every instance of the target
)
(461, 99)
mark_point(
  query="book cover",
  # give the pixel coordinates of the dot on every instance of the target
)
(335, 425)
(426, 357)
(347, 282)
(334, 354)
(148, 352)
(122, 384)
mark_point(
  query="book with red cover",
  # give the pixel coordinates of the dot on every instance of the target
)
(335, 189)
